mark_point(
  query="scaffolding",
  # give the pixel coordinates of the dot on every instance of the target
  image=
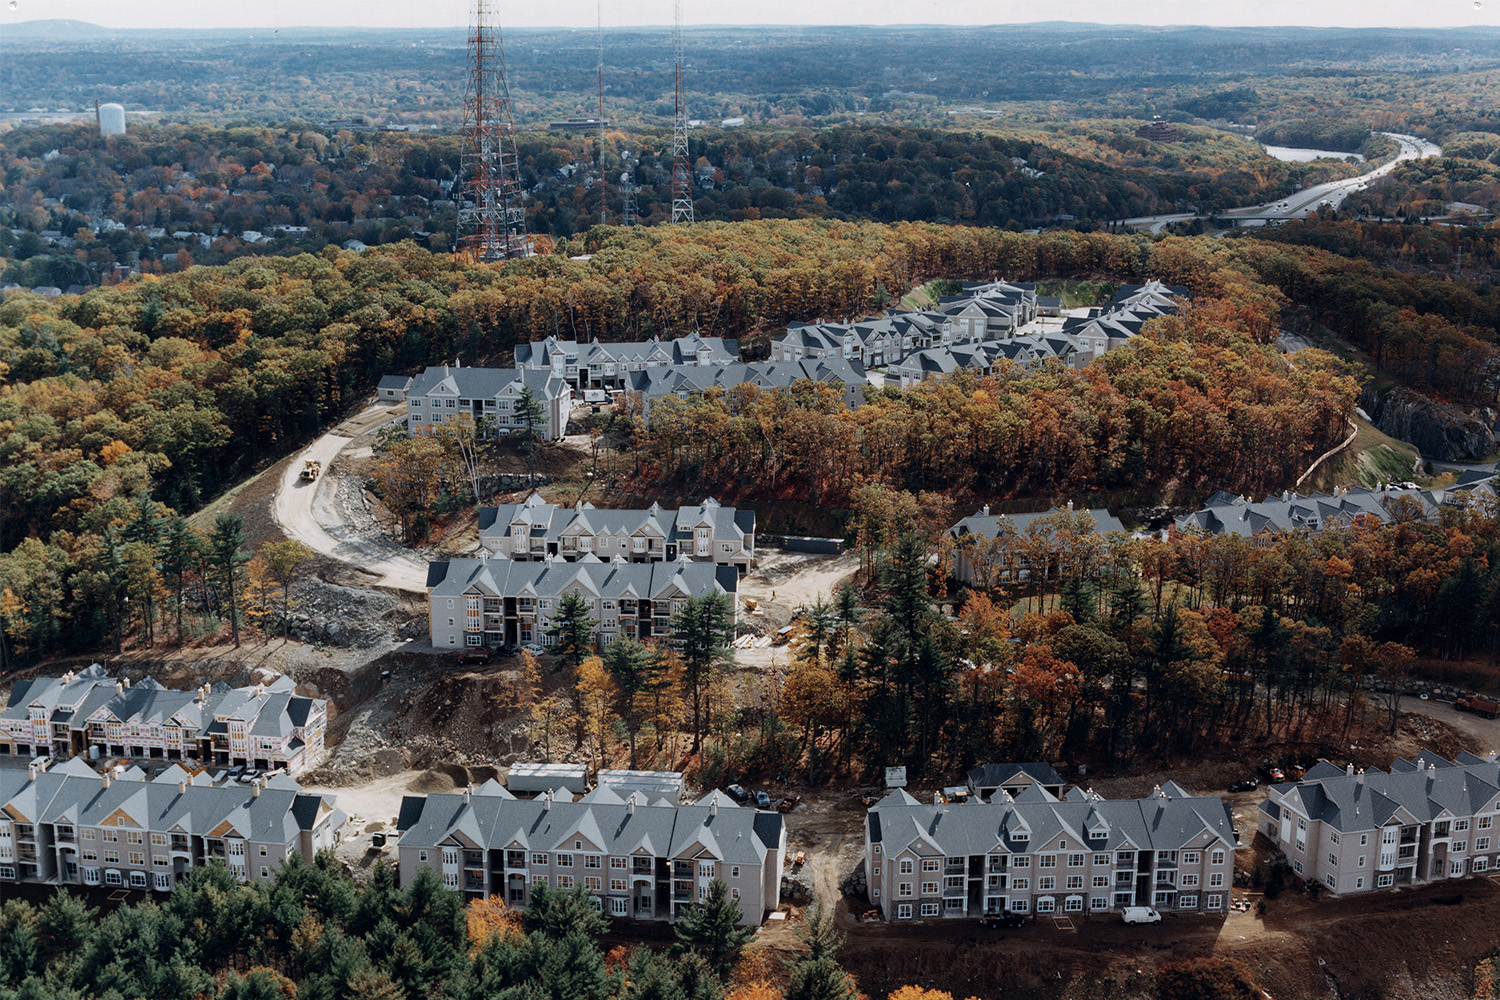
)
(491, 214)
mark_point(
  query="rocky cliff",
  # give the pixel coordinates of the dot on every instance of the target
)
(1440, 431)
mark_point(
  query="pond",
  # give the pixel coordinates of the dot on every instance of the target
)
(1303, 155)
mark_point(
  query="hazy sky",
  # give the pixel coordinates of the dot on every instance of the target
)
(581, 13)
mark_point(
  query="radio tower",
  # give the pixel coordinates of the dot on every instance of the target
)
(603, 184)
(491, 215)
(682, 176)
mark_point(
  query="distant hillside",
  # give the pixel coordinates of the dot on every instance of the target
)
(53, 28)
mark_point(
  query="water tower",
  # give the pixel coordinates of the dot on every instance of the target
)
(111, 119)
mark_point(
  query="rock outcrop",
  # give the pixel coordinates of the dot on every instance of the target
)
(1439, 430)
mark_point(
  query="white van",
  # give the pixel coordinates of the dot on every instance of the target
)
(1140, 915)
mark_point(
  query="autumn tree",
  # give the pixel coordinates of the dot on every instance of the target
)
(285, 561)
(701, 628)
(638, 674)
(407, 479)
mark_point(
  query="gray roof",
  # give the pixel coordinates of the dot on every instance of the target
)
(645, 581)
(483, 819)
(685, 350)
(993, 525)
(1419, 790)
(996, 775)
(485, 383)
(1226, 514)
(1168, 819)
(550, 521)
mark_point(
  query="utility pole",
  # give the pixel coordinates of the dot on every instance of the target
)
(682, 167)
(491, 214)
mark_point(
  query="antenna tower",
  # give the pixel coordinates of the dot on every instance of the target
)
(603, 184)
(491, 214)
(682, 176)
(627, 189)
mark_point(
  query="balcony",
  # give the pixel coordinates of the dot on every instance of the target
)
(641, 866)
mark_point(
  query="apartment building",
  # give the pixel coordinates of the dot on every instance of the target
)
(1424, 820)
(991, 549)
(607, 366)
(70, 826)
(494, 602)
(648, 388)
(641, 857)
(535, 529)
(469, 395)
(265, 726)
(1036, 853)
(871, 343)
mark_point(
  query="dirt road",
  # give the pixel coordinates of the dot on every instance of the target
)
(318, 513)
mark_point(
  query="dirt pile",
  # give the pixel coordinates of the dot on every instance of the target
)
(349, 617)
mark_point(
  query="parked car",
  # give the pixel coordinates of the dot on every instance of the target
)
(534, 649)
(509, 649)
(762, 800)
(1008, 919)
(1245, 785)
(738, 793)
(1140, 915)
(1276, 774)
(788, 803)
(476, 654)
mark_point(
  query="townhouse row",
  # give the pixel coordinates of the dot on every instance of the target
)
(640, 857)
(485, 398)
(535, 529)
(1037, 853)
(608, 365)
(1425, 820)
(70, 826)
(265, 726)
(495, 602)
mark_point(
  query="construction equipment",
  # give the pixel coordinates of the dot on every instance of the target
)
(311, 469)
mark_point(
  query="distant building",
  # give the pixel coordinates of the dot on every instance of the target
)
(1157, 131)
(111, 119)
(472, 394)
(580, 124)
(990, 549)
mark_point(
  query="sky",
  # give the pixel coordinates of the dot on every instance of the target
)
(582, 13)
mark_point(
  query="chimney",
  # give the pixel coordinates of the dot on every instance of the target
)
(1490, 756)
(119, 687)
(105, 777)
(1349, 770)
(31, 770)
(547, 800)
(127, 682)
(469, 793)
(986, 511)
(1070, 505)
(255, 789)
(630, 805)
(182, 788)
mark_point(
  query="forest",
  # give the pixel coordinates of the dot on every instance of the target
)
(312, 933)
(211, 185)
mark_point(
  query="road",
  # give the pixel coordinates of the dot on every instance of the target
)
(316, 513)
(1487, 731)
(1304, 202)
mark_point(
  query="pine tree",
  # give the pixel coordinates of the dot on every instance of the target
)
(816, 975)
(226, 543)
(529, 414)
(712, 930)
(574, 627)
(702, 628)
(636, 671)
(180, 551)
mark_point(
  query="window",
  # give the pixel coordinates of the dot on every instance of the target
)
(111, 836)
(1019, 905)
(592, 861)
(1075, 860)
(1216, 901)
(1189, 879)
(137, 857)
(593, 883)
(1021, 861)
(929, 865)
(1484, 822)
(1359, 883)
(565, 881)
(1297, 867)
(1046, 904)
(160, 861)
(906, 866)
(1459, 847)
(1101, 859)
(1215, 880)
(903, 911)
(1046, 861)
(1099, 903)
(1332, 880)
(1020, 884)
(1101, 881)
(162, 882)
(1217, 858)
(539, 859)
(953, 882)
(929, 888)
(1479, 865)
(1482, 844)
(1162, 897)
(111, 857)
(1074, 904)
(1075, 881)
(734, 871)
(1361, 863)
(617, 862)
(158, 840)
(1333, 860)
(904, 889)
(112, 877)
(929, 909)
(1385, 881)
(450, 880)
(1460, 825)
(1124, 858)
(1455, 868)
(1192, 857)
(619, 907)
(422, 857)
(618, 885)
(539, 880)
(1187, 902)
(266, 873)
(134, 837)
(1046, 883)
(1364, 839)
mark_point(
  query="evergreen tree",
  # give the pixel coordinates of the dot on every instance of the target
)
(637, 672)
(181, 550)
(574, 628)
(702, 628)
(712, 930)
(555, 912)
(226, 543)
(529, 414)
(816, 975)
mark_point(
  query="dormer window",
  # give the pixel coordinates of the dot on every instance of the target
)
(1020, 836)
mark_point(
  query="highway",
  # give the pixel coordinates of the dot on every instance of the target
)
(1304, 202)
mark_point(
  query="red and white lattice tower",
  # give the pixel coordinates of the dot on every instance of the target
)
(682, 166)
(491, 215)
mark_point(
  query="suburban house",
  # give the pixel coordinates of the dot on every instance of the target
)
(493, 602)
(871, 343)
(1227, 514)
(639, 856)
(1426, 819)
(69, 826)
(606, 366)
(536, 529)
(990, 549)
(264, 726)
(985, 310)
(1013, 779)
(1037, 853)
(392, 388)
(470, 394)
